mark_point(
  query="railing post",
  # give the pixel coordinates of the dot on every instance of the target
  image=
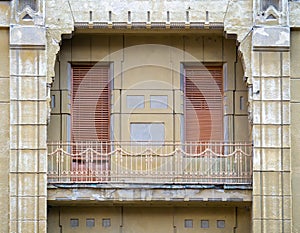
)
(178, 158)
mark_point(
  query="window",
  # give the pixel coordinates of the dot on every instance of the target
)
(203, 89)
(90, 103)
(188, 223)
(74, 222)
(90, 222)
(106, 222)
(204, 224)
(220, 223)
(147, 132)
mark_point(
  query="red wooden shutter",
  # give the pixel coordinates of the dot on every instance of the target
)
(90, 103)
(203, 103)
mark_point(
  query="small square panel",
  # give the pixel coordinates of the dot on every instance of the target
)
(159, 101)
(135, 101)
(106, 222)
(220, 223)
(90, 222)
(204, 224)
(188, 223)
(74, 222)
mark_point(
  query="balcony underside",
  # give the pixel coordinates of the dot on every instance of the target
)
(107, 194)
(201, 163)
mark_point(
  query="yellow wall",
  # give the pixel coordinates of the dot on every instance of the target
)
(150, 219)
(295, 127)
(4, 126)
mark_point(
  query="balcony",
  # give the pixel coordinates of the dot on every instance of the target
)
(150, 163)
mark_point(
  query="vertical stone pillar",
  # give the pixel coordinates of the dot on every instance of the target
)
(271, 129)
(28, 98)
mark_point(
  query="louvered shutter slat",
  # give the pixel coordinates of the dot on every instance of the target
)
(90, 103)
(203, 103)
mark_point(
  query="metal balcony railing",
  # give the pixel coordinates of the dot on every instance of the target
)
(150, 163)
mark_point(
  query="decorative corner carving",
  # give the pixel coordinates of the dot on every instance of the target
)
(28, 16)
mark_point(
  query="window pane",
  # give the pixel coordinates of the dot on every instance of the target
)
(106, 222)
(135, 101)
(74, 222)
(188, 223)
(159, 101)
(147, 132)
(220, 223)
(90, 222)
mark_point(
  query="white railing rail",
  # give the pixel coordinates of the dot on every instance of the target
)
(126, 162)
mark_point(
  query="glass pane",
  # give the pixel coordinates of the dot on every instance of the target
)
(135, 101)
(147, 132)
(159, 101)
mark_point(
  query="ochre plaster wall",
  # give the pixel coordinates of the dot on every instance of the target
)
(149, 219)
(4, 129)
(295, 128)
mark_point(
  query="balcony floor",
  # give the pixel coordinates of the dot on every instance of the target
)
(166, 194)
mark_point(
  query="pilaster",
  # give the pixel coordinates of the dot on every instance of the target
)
(28, 109)
(270, 57)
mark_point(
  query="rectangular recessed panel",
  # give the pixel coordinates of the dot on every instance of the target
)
(159, 101)
(135, 101)
(147, 132)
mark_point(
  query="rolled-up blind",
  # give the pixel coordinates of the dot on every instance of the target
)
(90, 103)
(203, 103)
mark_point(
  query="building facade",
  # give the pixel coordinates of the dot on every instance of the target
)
(149, 116)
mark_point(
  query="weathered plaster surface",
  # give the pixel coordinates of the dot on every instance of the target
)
(4, 14)
(294, 12)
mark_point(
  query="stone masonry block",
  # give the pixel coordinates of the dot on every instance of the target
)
(29, 112)
(27, 62)
(272, 206)
(28, 88)
(286, 63)
(27, 208)
(287, 207)
(274, 226)
(271, 183)
(257, 157)
(28, 35)
(256, 64)
(256, 111)
(28, 137)
(27, 184)
(270, 64)
(28, 226)
(271, 159)
(271, 136)
(277, 38)
(256, 225)
(256, 183)
(271, 112)
(286, 89)
(271, 88)
(257, 211)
